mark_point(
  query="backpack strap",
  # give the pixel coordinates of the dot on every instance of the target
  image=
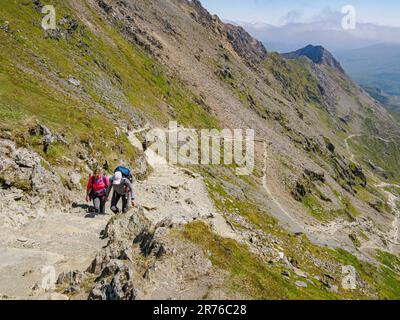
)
(91, 191)
(92, 181)
(105, 182)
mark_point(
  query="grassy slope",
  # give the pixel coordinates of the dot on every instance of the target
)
(385, 155)
(35, 69)
(249, 273)
(294, 79)
(262, 279)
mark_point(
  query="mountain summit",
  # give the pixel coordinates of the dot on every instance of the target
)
(316, 54)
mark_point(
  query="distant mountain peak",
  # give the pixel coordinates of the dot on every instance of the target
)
(317, 54)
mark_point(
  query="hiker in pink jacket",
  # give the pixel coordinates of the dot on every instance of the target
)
(97, 191)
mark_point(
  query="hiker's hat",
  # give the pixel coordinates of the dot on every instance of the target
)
(117, 178)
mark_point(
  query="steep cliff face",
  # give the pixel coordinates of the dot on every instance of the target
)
(249, 49)
(326, 170)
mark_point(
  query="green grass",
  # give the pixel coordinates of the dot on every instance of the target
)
(318, 210)
(372, 282)
(116, 76)
(294, 78)
(385, 281)
(248, 274)
(382, 154)
(255, 278)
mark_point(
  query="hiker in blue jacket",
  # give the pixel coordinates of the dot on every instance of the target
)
(123, 189)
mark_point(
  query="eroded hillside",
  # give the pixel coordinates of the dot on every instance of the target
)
(324, 193)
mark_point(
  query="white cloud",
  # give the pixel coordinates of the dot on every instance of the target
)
(292, 16)
(323, 28)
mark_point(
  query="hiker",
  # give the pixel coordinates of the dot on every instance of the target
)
(97, 187)
(123, 189)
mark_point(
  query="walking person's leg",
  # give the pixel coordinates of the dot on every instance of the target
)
(125, 203)
(103, 205)
(114, 202)
(97, 204)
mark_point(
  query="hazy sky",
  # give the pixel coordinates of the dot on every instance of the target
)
(277, 12)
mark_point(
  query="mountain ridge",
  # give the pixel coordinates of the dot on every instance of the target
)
(317, 54)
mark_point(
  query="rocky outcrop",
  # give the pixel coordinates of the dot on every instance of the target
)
(113, 264)
(66, 27)
(115, 283)
(48, 138)
(27, 188)
(143, 261)
(248, 48)
(71, 281)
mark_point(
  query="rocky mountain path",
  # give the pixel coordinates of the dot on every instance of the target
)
(32, 256)
(62, 241)
(392, 201)
(176, 194)
(65, 241)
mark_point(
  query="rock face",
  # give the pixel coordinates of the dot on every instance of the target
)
(115, 263)
(115, 283)
(246, 46)
(48, 137)
(142, 261)
(26, 187)
(116, 275)
(251, 50)
(316, 54)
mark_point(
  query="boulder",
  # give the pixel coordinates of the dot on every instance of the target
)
(71, 281)
(75, 180)
(115, 283)
(301, 284)
(74, 82)
(314, 176)
(27, 189)
(26, 159)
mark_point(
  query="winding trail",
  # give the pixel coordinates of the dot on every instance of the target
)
(346, 141)
(392, 199)
(323, 233)
(318, 234)
(176, 194)
(289, 216)
(186, 198)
